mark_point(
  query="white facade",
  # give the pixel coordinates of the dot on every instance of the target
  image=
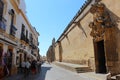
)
(22, 6)
(14, 18)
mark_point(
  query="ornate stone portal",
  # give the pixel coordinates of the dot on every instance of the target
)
(104, 32)
(101, 21)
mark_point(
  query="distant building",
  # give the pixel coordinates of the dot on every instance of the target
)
(43, 58)
(51, 52)
(92, 37)
(18, 39)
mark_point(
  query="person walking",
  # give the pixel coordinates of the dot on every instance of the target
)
(6, 70)
(39, 66)
(33, 66)
(27, 67)
(23, 66)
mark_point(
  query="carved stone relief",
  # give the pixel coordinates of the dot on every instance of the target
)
(101, 21)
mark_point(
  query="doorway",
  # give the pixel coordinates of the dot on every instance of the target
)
(20, 60)
(1, 9)
(100, 59)
(25, 56)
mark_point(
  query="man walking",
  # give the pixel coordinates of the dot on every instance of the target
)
(27, 66)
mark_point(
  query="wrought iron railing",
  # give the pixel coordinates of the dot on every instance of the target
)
(23, 36)
(13, 30)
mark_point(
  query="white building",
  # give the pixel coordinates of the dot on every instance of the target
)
(17, 36)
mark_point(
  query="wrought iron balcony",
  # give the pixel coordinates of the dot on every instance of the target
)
(38, 43)
(32, 52)
(27, 40)
(23, 36)
(34, 47)
(30, 43)
(13, 30)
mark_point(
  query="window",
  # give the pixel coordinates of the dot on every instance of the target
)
(23, 33)
(26, 33)
(2, 20)
(27, 40)
(1, 9)
(23, 29)
(13, 28)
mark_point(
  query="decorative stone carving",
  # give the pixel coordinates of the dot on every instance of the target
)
(101, 20)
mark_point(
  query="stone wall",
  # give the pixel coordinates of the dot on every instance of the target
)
(57, 52)
(77, 45)
(113, 37)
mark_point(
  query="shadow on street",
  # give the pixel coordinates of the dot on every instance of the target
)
(37, 76)
(43, 73)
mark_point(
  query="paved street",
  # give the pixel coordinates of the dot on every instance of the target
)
(50, 72)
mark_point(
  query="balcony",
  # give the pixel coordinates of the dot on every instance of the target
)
(32, 52)
(23, 36)
(38, 43)
(34, 47)
(27, 40)
(13, 30)
(30, 42)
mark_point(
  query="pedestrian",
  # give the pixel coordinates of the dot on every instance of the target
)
(23, 66)
(33, 66)
(39, 66)
(6, 70)
(27, 67)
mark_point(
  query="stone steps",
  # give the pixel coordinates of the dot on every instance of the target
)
(82, 69)
(74, 67)
(117, 77)
(113, 78)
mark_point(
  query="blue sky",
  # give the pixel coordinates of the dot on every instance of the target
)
(51, 17)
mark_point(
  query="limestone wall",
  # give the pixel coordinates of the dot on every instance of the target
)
(77, 46)
(57, 52)
(113, 61)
